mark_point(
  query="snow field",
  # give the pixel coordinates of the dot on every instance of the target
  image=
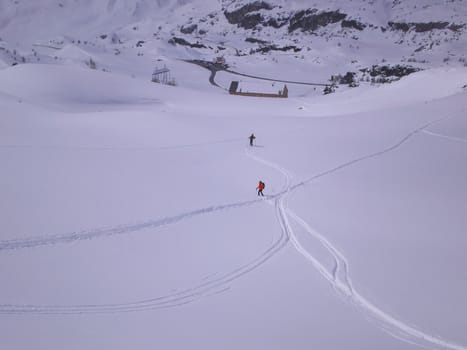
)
(119, 203)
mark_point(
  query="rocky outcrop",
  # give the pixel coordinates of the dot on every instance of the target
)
(347, 79)
(386, 74)
(353, 24)
(311, 19)
(256, 41)
(245, 17)
(183, 42)
(276, 22)
(425, 26)
(268, 48)
(189, 29)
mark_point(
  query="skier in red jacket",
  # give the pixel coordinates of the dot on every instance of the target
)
(260, 188)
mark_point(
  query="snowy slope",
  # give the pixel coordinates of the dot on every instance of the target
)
(326, 37)
(129, 215)
(137, 202)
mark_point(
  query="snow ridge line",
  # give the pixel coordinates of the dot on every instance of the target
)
(386, 322)
(104, 148)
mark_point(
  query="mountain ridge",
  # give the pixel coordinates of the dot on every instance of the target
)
(339, 37)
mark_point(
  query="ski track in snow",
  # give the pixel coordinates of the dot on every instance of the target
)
(452, 138)
(338, 277)
(46, 240)
(211, 286)
(369, 156)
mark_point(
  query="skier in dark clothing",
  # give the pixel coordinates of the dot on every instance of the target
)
(251, 137)
(260, 188)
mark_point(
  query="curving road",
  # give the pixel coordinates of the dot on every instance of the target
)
(216, 67)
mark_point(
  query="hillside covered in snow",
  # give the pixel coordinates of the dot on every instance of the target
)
(129, 214)
(316, 40)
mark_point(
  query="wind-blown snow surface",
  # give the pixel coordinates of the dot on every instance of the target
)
(129, 217)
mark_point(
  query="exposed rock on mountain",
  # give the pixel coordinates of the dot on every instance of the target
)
(247, 16)
(311, 19)
(345, 36)
(425, 27)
